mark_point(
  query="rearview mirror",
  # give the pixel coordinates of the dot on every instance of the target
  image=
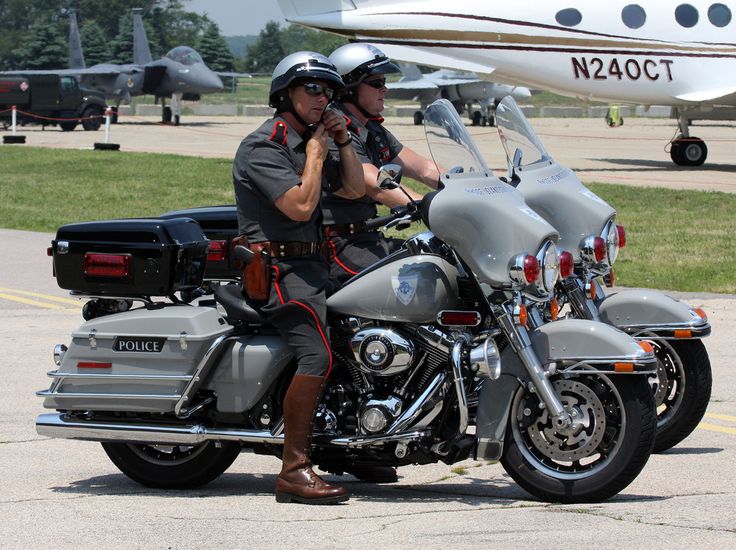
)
(389, 176)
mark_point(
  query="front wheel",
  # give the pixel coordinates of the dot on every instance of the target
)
(607, 446)
(172, 466)
(683, 389)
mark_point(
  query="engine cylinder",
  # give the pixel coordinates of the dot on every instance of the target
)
(382, 352)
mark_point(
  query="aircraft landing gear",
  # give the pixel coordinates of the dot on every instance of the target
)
(418, 118)
(166, 114)
(687, 150)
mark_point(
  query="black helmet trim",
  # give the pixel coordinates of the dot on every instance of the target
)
(379, 65)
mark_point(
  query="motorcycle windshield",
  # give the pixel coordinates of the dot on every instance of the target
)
(451, 146)
(521, 144)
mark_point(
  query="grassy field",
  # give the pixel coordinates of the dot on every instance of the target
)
(677, 240)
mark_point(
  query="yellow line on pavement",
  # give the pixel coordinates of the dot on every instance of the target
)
(716, 428)
(30, 302)
(721, 417)
(44, 296)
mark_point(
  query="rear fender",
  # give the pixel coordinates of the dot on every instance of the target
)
(561, 346)
(652, 312)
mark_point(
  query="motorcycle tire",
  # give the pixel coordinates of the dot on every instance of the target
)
(685, 379)
(597, 461)
(172, 466)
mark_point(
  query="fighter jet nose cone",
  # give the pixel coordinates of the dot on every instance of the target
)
(213, 83)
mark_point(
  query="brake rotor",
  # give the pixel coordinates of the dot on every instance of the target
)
(588, 424)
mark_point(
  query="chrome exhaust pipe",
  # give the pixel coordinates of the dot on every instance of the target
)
(67, 427)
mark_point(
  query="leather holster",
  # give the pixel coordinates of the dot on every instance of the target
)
(256, 273)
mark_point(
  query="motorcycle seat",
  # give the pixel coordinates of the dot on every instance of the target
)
(236, 306)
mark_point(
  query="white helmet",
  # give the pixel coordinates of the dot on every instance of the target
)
(302, 65)
(357, 61)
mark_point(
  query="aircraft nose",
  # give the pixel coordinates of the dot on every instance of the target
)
(211, 82)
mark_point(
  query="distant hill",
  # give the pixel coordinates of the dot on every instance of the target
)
(238, 44)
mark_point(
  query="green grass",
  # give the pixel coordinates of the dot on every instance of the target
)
(677, 240)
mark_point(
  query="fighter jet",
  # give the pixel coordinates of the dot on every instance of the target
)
(462, 89)
(651, 52)
(180, 74)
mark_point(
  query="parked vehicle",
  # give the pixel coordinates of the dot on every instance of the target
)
(426, 343)
(47, 98)
(588, 229)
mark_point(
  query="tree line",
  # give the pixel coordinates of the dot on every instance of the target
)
(35, 35)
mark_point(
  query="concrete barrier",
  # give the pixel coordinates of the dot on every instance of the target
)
(406, 110)
(224, 109)
(661, 111)
(148, 110)
(125, 110)
(257, 110)
(561, 112)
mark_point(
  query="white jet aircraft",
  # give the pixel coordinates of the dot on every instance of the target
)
(462, 89)
(653, 52)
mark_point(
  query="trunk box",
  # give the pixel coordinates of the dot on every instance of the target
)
(220, 225)
(130, 257)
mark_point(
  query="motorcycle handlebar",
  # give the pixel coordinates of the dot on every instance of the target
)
(411, 210)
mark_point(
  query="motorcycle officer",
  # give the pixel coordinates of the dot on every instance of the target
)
(279, 172)
(363, 68)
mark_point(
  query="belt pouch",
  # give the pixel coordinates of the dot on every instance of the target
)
(257, 273)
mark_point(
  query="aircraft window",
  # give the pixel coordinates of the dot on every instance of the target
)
(569, 17)
(633, 16)
(686, 15)
(184, 55)
(719, 15)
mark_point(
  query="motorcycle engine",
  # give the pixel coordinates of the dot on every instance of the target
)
(381, 351)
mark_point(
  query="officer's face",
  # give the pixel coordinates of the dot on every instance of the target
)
(310, 99)
(371, 93)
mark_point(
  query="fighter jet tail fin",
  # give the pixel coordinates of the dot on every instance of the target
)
(76, 56)
(141, 50)
(410, 71)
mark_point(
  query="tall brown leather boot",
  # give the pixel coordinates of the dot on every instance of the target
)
(297, 482)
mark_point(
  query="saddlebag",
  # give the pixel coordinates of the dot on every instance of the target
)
(130, 257)
(139, 360)
(220, 226)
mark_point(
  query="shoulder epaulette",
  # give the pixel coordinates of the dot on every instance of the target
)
(279, 133)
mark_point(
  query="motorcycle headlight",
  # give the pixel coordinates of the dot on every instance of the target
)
(550, 263)
(612, 241)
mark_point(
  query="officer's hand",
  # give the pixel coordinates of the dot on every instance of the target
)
(335, 125)
(317, 144)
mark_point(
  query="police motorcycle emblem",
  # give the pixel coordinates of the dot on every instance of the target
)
(404, 288)
(138, 344)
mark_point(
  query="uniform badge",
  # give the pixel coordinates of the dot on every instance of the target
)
(405, 287)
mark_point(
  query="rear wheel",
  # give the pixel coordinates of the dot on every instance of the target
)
(172, 466)
(683, 389)
(605, 449)
(92, 118)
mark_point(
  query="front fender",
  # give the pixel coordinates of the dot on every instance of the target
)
(636, 311)
(568, 344)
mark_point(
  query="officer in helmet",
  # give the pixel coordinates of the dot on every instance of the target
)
(363, 68)
(279, 173)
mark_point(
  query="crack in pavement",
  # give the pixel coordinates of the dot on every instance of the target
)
(10, 442)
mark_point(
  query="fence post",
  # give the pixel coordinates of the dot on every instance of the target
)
(107, 146)
(14, 138)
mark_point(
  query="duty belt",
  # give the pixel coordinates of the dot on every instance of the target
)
(285, 249)
(344, 229)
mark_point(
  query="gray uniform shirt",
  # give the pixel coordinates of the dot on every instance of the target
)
(374, 145)
(268, 163)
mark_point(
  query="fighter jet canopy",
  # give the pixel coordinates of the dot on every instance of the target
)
(185, 55)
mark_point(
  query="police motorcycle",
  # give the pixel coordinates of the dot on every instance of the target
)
(432, 357)
(590, 234)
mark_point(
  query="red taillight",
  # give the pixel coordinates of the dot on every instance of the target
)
(49, 251)
(531, 268)
(621, 236)
(216, 251)
(112, 266)
(93, 365)
(459, 318)
(599, 249)
(566, 264)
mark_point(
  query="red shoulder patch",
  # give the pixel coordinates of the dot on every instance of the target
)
(279, 133)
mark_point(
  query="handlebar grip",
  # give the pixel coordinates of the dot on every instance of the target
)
(380, 221)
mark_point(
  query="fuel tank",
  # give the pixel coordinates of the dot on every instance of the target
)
(556, 194)
(488, 223)
(400, 288)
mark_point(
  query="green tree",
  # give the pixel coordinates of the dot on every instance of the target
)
(264, 55)
(214, 50)
(44, 48)
(295, 38)
(94, 44)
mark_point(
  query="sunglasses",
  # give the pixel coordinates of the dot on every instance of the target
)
(317, 90)
(376, 84)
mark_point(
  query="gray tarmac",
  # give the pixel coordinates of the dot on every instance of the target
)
(62, 494)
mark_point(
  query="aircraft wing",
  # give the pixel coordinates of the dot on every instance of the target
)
(422, 84)
(233, 75)
(708, 95)
(414, 54)
(110, 71)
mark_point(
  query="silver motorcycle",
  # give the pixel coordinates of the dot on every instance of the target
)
(589, 232)
(432, 357)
